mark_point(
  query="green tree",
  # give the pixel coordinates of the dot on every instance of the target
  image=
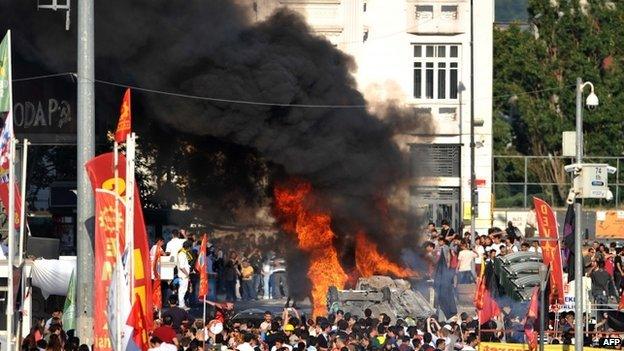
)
(534, 83)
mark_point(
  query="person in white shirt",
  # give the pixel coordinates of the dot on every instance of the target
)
(471, 343)
(248, 343)
(464, 266)
(279, 343)
(175, 244)
(535, 247)
(184, 269)
(158, 345)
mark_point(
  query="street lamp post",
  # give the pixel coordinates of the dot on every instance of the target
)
(592, 101)
(473, 189)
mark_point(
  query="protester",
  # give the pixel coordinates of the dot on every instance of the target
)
(184, 270)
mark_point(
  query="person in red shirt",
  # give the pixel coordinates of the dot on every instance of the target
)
(165, 332)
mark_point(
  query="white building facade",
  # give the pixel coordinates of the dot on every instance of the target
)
(417, 52)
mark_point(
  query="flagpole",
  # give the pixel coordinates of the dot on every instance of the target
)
(11, 254)
(117, 282)
(22, 222)
(11, 209)
(204, 320)
(130, 153)
(22, 232)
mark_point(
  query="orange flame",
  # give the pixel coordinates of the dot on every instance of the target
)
(314, 236)
(369, 261)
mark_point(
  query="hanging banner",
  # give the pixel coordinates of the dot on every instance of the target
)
(4, 197)
(497, 346)
(102, 175)
(5, 69)
(109, 222)
(551, 251)
(610, 224)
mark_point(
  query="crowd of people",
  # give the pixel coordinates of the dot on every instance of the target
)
(255, 268)
(249, 269)
(453, 258)
(291, 330)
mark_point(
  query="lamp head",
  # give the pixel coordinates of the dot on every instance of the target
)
(592, 101)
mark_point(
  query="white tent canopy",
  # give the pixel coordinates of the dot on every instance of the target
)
(52, 276)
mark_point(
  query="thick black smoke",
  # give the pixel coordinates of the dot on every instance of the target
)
(210, 48)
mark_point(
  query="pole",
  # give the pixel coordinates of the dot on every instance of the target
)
(578, 248)
(118, 278)
(23, 203)
(11, 229)
(129, 230)
(85, 152)
(22, 224)
(544, 274)
(11, 254)
(204, 320)
(473, 190)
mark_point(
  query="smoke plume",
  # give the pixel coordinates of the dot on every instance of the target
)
(210, 48)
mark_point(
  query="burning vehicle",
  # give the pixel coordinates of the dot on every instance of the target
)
(380, 294)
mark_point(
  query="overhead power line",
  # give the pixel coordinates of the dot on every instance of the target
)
(260, 103)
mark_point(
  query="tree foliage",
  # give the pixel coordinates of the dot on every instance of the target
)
(534, 84)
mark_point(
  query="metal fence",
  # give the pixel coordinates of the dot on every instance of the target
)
(517, 178)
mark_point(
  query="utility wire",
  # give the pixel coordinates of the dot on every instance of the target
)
(53, 75)
(233, 101)
(263, 103)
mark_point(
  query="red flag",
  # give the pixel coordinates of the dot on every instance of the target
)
(109, 220)
(4, 197)
(102, 175)
(137, 321)
(200, 266)
(125, 119)
(483, 301)
(156, 292)
(481, 288)
(532, 313)
(551, 251)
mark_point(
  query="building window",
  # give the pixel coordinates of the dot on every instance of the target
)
(436, 71)
(424, 12)
(449, 12)
(435, 160)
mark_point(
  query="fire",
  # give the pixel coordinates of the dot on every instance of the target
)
(294, 207)
(369, 261)
(314, 236)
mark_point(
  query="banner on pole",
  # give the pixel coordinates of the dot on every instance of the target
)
(109, 222)
(5, 68)
(69, 308)
(200, 267)
(4, 197)
(499, 346)
(551, 250)
(101, 174)
(125, 119)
